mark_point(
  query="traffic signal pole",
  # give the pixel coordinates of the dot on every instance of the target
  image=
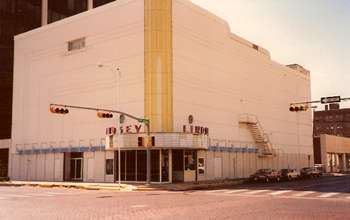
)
(148, 152)
(145, 121)
(304, 106)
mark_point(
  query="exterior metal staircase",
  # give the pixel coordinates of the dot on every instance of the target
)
(261, 138)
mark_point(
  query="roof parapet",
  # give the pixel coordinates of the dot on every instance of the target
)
(299, 68)
(250, 44)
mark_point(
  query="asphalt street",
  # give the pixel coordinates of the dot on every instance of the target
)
(324, 198)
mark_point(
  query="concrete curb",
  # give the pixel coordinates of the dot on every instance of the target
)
(205, 186)
(85, 186)
(191, 186)
(127, 187)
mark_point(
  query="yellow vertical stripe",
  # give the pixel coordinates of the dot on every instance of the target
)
(159, 65)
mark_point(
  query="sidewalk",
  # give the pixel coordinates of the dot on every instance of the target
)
(128, 187)
(77, 185)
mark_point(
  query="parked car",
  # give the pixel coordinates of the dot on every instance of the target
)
(266, 175)
(290, 174)
(310, 172)
(320, 167)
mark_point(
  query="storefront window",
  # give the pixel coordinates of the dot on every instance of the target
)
(65, 8)
(101, 2)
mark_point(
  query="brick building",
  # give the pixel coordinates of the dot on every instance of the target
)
(335, 122)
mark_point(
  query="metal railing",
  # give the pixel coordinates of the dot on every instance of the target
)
(253, 119)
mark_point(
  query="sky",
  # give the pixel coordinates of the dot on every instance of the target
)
(312, 33)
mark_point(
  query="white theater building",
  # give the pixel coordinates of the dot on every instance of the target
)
(169, 61)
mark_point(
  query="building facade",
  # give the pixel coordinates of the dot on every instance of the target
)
(217, 103)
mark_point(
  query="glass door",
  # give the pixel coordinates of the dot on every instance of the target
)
(190, 174)
(76, 168)
(165, 165)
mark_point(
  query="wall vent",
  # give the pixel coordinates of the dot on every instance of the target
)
(76, 44)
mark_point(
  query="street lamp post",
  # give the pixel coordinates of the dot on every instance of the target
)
(118, 74)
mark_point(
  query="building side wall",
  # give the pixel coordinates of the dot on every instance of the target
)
(335, 144)
(235, 165)
(218, 77)
(45, 72)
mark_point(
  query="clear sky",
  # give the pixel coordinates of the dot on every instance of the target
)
(312, 33)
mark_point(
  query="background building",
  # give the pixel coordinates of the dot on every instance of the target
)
(176, 60)
(332, 138)
(16, 17)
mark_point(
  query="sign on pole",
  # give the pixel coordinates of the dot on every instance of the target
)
(331, 99)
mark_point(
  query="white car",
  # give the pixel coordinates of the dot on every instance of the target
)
(290, 174)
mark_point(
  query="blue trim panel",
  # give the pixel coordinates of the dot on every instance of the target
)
(233, 149)
(60, 150)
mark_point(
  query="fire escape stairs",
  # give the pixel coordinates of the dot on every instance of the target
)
(261, 138)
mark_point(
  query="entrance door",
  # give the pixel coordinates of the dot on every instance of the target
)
(73, 166)
(190, 172)
(76, 169)
(165, 165)
(178, 165)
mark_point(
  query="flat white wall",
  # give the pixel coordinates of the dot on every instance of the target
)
(37, 167)
(219, 76)
(45, 72)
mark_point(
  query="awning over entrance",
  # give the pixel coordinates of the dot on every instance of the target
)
(165, 141)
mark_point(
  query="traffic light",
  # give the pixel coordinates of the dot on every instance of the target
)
(57, 110)
(140, 141)
(299, 108)
(146, 141)
(104, 115)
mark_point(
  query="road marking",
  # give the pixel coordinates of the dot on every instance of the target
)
(237, 191)
(348, 197)
(256, 192)
(280, 192)
(2, 198)
(304, 193)
(219, 191)
(138, 206)
(17, 196)
(327, 195)
(60, 193)
(39, 195)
